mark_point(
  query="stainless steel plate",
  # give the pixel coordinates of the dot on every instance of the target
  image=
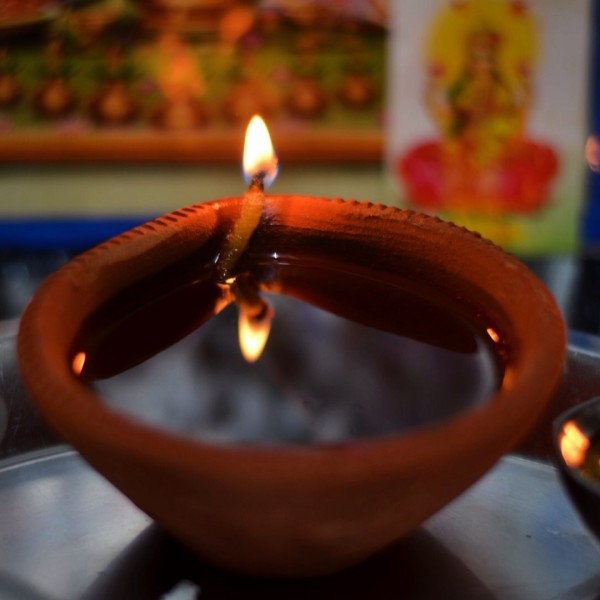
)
(67, 533)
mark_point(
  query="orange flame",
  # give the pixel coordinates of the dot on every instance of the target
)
(494, 335)
(260, 160)
(573, 444)
(78, 363)
(253, 333)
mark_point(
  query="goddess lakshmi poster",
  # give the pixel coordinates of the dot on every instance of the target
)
(473, 135)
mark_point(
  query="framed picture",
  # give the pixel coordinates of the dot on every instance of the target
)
(488, 121)
(176, 80)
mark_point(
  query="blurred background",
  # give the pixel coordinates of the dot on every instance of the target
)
(113, 112)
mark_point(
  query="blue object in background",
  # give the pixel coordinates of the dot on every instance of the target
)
(32, 248)
(71, 234)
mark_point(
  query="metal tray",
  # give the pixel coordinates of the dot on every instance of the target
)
(67, 533)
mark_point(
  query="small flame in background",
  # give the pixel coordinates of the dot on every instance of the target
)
(260, 160)
(573, 444)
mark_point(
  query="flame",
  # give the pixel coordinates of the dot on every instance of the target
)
(494, 335)
(260, 160)
(78, 363)
(253, 334)
(573, 444)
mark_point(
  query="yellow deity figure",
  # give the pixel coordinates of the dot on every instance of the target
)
(480, 57)
(479, 88)
(479, 110)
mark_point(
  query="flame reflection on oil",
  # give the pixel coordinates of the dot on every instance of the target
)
(78, 363)
(253, 334)
(494, 335)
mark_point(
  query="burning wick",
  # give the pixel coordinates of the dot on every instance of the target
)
(260, 166)
(260, 169)
(255, 313)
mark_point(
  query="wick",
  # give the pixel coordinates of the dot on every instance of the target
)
(245, 292)
(243, 228)
(257, 181)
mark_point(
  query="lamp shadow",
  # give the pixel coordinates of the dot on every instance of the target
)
(417, 567)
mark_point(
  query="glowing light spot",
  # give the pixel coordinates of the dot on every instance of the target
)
(573, 444)
(259, 159)
(592, 153)
(253, 334)
(495, 337)
(78, 363)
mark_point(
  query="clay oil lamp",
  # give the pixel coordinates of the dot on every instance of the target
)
(577, 448)
(291, 509)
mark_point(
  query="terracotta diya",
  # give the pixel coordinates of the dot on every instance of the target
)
(289, 510)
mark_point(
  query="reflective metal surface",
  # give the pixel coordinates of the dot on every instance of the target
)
(21, 427)
(66, 533)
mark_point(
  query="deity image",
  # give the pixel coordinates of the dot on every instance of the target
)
(479, 90)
